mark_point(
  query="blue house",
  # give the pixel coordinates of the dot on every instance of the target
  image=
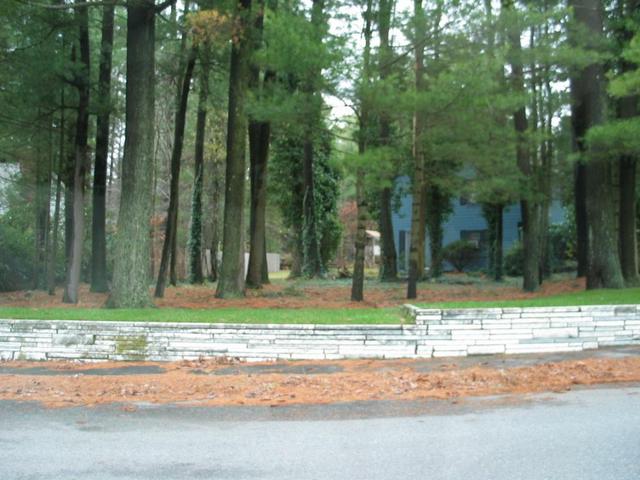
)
(466, 222)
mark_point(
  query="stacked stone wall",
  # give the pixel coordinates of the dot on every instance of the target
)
(428, 333)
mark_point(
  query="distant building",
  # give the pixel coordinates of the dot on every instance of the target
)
(465, 222)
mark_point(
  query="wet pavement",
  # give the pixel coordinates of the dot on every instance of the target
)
(588, 434)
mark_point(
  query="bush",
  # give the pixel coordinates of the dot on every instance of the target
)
(460, 254)
(16, 258)
(514, 260)
(561, 247)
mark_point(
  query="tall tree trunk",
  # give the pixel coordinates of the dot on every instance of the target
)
(628, 220)
(529, 208)
(132, 242)
(579, 117)
(42, 204)
(498, 261)
(231, 281)
(357, 285)
(436, 210)
(68, 185)
(547, 172)
(259, 133)
(195, 242)
(389, 258)
(604, 270)
(417, 208)
(422, 227)
(297, 231)
(311, 262)
(580, 207)
(216, 190)
(53, 248)
(311, 258)
(80, 162)
(98, 238)
(259, 139)
(628, 108)
(168, 248)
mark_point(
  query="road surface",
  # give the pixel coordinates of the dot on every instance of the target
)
(582, 435)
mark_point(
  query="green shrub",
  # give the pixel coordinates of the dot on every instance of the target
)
(16, 258)
(461, 254)
(514, 260)
(561, 247)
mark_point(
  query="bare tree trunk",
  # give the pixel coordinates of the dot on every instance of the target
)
(582, 228)
(259, 139)
(53, 247)
(435, 212)
(417, 208)
(80, 164)
(216, 189)
(131, 268)
(42, 204)
(498, 261)
(357, 285)
(98, 238)
(389, 258)
(195, 242)
(169, 246)
(604, 270)
(231, 282)
(628, 108)
(529, 209)
(259, 133)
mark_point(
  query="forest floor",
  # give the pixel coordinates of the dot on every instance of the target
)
(282, 293)
(314, 301)
(214, 383)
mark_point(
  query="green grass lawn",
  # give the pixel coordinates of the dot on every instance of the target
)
(586, 297)
(218, 315)
(307, 315)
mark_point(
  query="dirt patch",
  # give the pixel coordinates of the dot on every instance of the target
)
(342, 381)
(284, 294)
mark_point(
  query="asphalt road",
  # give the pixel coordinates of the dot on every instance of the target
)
(582, 435)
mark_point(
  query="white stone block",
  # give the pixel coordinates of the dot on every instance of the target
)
(469, 334)
(555, 332)
(608, 323)
(424, 351)
(485, 349)
(450, 353)
(443, 343)
(445, 326)
(543, 347)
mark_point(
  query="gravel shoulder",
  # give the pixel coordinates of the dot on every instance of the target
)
(211, 383)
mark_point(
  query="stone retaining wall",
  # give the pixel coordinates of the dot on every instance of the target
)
(44, 340)
(455, 332)
(436, 333)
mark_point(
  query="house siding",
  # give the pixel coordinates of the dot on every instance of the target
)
(463, 217)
